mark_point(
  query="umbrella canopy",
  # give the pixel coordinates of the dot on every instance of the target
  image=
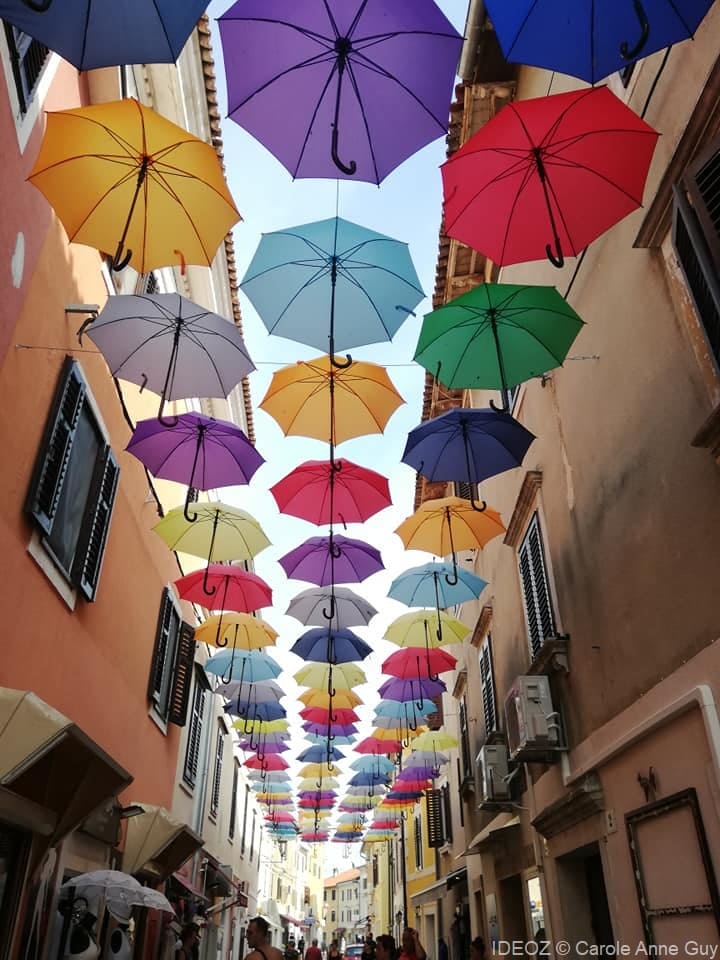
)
(338, 492)
(120, 891)
(322, 645)
(497, 336)
(314, 399)
(467, 445)
(318, 754)
(251, 712)
(321, 698)
(546, 177)
(172, 346)
(317, 770)
(104, 33)
(338, 739)
(407, 691)
(411, 662)
(340, 89)
(369, 763)
(123, 179)
(330, 560)
(426, 585)
(324, 716)
(239, 630)
(218, 532)
(397, 709)
(334, 730)
(267, 763)
(310, 783)
(367, 778)
(350, 609)
(263, 691)
(343, 676)
(435, 740)
(403, 727)
(263, 749)
(426, 628)
(419, 757)
(588, 40)
(373, 745)
(247, 666)
(233, 588)
(332, 284)
(276, 777)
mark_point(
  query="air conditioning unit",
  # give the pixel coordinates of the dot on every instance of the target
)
(534, 731)
(492, 762)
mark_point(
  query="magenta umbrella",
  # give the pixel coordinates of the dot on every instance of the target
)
(338, 492)
(200, 451)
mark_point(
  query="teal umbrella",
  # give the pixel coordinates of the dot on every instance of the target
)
(332, 284)
(496, 336)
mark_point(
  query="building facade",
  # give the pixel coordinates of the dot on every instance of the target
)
(341, 897)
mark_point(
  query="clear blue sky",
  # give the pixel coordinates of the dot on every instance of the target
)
(407, 206)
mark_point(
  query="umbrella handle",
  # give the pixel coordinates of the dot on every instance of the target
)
(39, 6)
(190, 517)
(209, 591)
(473, 487)
(168, 423)
(119, 262)
(631, 53)
(504, 406)
(555, 256)
(479, 506)
(451, 581)
(341, 364)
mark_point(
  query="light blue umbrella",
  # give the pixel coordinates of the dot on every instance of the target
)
(426, 586)
(246, 666)
(404, 708)
(373, 764)
(338, 739)
(332, 284)
(319, 753)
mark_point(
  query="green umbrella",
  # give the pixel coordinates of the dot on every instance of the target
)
(496, 336)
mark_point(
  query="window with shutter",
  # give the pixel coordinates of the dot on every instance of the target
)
(252, 835)
(465, 741)
(434, 721)
(182, 675)
(197, 715)
(696, 239)
(447, 813)
(164, 653)
(74, 482)
(233, 802)
(28, 57)
(466, 491)
(244, 826)
(217, 773)
(487, 685)
(418, 844)
(434, 811)
(539, 615)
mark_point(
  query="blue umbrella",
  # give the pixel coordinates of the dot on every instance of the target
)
(426, 585)
(373, 763)
(367, 779)
(246, 666)
(339, 740)
(107, 33)
(397, 709)
(467, 446)
(321, 645)
(590, 39)
(255, 711)
(332, 284)
(320, 754)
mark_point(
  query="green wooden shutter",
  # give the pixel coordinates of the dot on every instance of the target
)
(182, 680)
(164, 624)
(96, 524)
(54, 454)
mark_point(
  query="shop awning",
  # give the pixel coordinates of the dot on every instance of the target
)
(184, 882)
(52, 775)
(287, 919)
(157, 843)
(436, 889)
(501, 822)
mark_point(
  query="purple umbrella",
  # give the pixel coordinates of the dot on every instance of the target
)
(334, 729)
(331, 560)
(407, 690)
(364, 78)
(317, 794)
(200, 451)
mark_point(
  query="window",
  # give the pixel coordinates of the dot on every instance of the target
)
(172, 665)
(244, 826)
(233, 803)
(332, 916)
(434, 721)
(536, 591)
(28, 58)
(696, 239)
(418, 844)
(333, 894)
(217, 772)
(252, 836)
(467, 771)
(447, 813)
(487, 686)
(74, 482)
(197, 714)
(151, 284)
(466, 491)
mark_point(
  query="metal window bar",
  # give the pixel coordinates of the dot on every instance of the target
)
(217, 773)
(233, 803)
(28, 57)
(465, 742)
(418, 844)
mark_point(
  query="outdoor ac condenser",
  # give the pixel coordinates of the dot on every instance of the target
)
(492, 762)
(533, 727)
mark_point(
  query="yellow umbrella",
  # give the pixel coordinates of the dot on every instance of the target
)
(448, 524)
(391, 733)
(238, 630)
(342, 676)
(315, 399)
(309, 783)
(424, 628)
(218, 532)
(261, 726)
(342, 699)
(317, 770)
(310, 815)
(434, 740)
(123, 179)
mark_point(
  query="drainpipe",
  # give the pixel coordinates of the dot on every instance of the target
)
(473, 29)
(201, 784)
(539, 853)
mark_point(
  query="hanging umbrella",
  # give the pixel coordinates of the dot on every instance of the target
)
(310, 783)
(322, 645)
(120, 891)
(369, 763)
(590, 40)
(121, 177)
(367, 779)
(418, 772)
(448, 524)
(426, 585)
(400, 725)
(337, 730)
(238, 630)
(467, 446)
(339, 492)
(325, 716)
(382, 733)
(435, 740)
(321, 698)
(264, 749)
(330, 560)
(264, 726)
(314, 399)
(262, 691)
(249, 711)
(398, 709)
(318, 754)
(244, 665)
(172, 346)
(350, 609)
(280, 818)
(373, 745)
(332, 284)
(426, 628)
(497, 336)
(546, 177)
(199, 451)
(233, 588)
(267, 764)
(105, 33)
(276, 777)
(408, 691)
(343, 676)
(418, 756)
(219, 532)
(317, 770)
(340, 89)
(338, 739)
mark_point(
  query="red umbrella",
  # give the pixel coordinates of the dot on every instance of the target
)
(323, 715)
(281, 816)
(373, 745)
(272, 762)
(233, 588)
(545, 177)
(413, 663)
(322, 493)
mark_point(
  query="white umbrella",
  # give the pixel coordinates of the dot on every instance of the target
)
(351, 610)
(120, 891)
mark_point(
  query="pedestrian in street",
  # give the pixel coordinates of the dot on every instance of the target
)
(189, 940)
(412, 949)
(334, 953)
(291, 951)
(385, 947)
(443, 953)
(301, 947)
(477, 949)
(313, 952)
(256, 936)
(368, 952)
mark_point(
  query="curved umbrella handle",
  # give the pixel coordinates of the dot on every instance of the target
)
(120, 260)
(504, 406)
(190, 498)
(330, 615)
(555, 256)
(479, 506)
(168, 424)
(631, 53)
(341, 364)
(451, 581)
(207, 590)
(39, 6)
(343, 46)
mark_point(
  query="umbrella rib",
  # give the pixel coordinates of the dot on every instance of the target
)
(100, 200)
(601, 176)
(314, 115)
(506, 174)
(361, 60)
(160, 178)
(356, 89)
(328, 55)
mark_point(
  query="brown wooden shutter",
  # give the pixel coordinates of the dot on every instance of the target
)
(447, 813)
(703, 186)
(435, 720)
(434, 810)
(96, 524)
(161, 638)
(182, 680)
(54, 454)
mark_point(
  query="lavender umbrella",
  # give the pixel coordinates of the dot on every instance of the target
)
(199, 451)
(367, 79)
(406, 690)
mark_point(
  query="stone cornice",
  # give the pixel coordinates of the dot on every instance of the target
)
(524, 507)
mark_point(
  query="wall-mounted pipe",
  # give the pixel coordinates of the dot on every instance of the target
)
(473, 29)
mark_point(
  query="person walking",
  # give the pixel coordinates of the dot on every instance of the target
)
(477, 949)
(189, 940)
(313, 952)
(256, 936)
(412, 949)
(334, 953)
(385, 947)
